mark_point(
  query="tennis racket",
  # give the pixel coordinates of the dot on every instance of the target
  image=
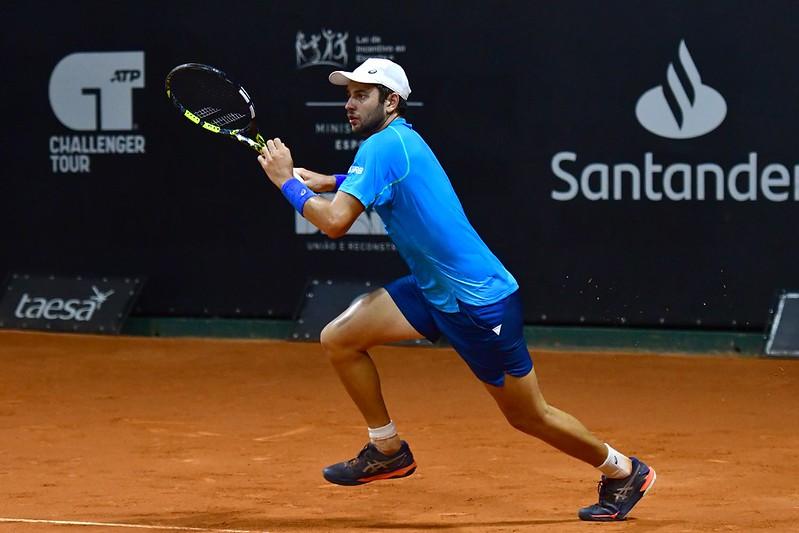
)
(210, 99)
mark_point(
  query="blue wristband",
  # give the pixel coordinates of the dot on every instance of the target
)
(297, 193)
(339, 179)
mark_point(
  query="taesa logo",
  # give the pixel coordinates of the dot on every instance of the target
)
(685, 107)
(34, 307)
(91, 91)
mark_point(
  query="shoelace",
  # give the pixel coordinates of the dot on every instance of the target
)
(600, 488)
(354, 461)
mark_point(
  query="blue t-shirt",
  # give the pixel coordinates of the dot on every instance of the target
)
(397, 174)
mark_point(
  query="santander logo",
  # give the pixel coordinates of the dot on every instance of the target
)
(684, 108)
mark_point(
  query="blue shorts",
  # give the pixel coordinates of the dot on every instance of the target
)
(489, 338)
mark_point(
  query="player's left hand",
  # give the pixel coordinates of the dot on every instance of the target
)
(275, 160)
(315, 181)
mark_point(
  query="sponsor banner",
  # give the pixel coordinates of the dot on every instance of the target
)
(626, 174)
(682, 108)
(92, 93)
(58, 303)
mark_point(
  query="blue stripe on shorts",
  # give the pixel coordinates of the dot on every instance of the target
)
(471, 330)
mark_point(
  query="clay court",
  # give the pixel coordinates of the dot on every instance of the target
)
(212, 435)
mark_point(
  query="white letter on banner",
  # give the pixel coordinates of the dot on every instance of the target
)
(668, 179)
(749, 168)
(618, 183)
(565, 176)
(767, 182)
(601, 170)
(650, 169)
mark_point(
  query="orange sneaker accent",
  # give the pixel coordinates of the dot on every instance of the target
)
(614, 515)
(650, 477)
(389, 475)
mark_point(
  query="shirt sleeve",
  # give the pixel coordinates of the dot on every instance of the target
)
(373, 171)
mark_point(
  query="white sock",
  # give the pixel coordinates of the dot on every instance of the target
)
(383, 432)
(617, 465)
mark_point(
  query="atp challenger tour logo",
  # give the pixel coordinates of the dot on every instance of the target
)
(93, 92)
(686, 108)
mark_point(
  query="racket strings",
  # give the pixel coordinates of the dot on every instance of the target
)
(206, 112)
(227, 119)
(223, 120)
(208, 93)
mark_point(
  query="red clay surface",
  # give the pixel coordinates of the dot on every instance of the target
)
(233, 434)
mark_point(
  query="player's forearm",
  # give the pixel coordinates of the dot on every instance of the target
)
(334, 217)
(322, 213)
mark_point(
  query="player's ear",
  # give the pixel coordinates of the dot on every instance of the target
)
(392, 102)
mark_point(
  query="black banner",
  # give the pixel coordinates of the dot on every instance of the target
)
(58, 303)
(632, 163)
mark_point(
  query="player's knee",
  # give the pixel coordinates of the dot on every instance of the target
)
(335, 343)
(531, 421)
(328, 338)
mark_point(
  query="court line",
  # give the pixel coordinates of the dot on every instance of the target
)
(297, 431)
(129, 526)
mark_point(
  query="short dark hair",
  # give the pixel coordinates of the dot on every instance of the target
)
(385, 91)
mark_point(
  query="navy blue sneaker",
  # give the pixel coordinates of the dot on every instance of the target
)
(617, 497)
(372, 465)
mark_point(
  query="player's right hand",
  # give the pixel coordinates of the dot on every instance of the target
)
(275, 160)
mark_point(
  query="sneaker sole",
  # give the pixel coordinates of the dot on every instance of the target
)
(394, 474)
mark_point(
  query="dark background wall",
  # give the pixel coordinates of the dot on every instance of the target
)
(499, 89)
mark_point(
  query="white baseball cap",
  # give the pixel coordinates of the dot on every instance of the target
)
(377, 71)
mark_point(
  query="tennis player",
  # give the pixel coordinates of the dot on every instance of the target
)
(457, 287)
